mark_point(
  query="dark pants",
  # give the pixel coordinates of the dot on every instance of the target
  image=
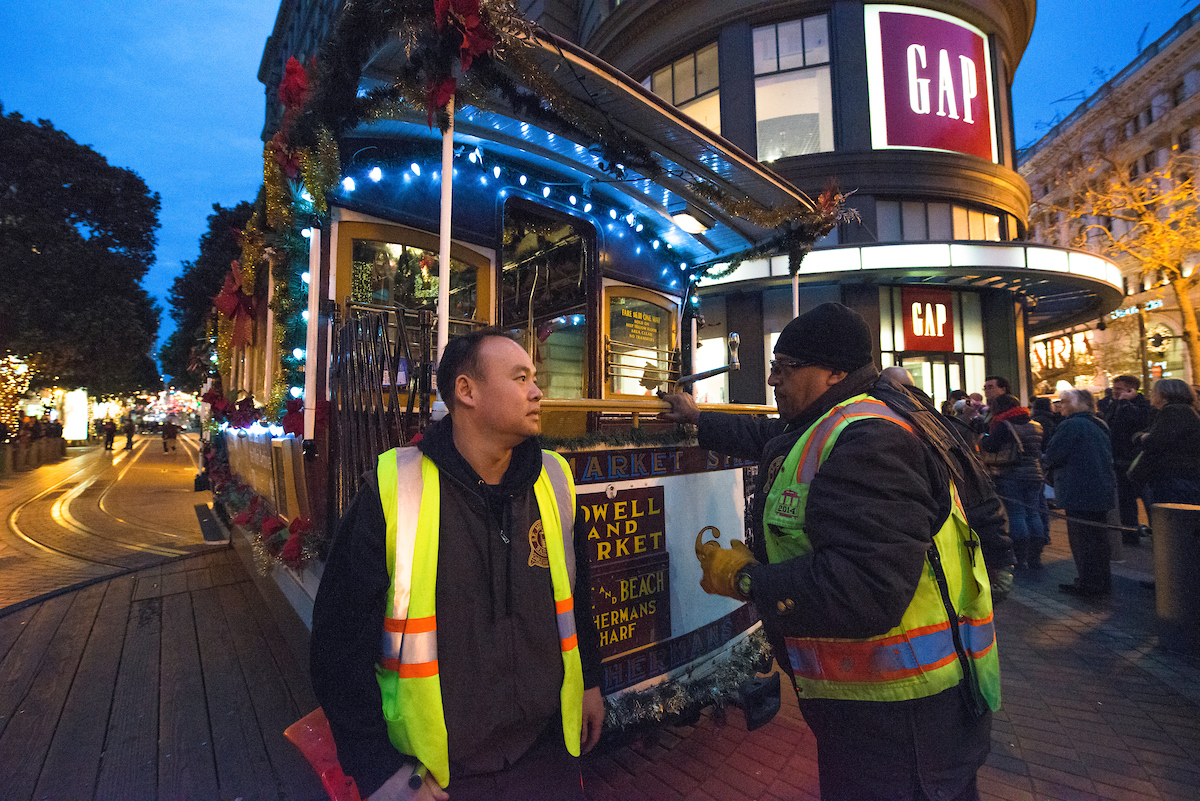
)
(928, 748)
(1088, 535)
(1127, 502)
(1023, 502)
(547, 772)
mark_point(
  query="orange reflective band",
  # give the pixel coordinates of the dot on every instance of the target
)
(567, 605)
(419, 670)
(412, 625)
(570, 643)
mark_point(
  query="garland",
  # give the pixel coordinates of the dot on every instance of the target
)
(678, 700)
(274, 542)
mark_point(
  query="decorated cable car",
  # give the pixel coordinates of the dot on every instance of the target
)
(429, 179)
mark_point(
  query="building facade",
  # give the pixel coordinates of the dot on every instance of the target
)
(1144, 121)
(908, 107)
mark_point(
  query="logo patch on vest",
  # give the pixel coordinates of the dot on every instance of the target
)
(772, 472)
(789, 504)
(538, 555)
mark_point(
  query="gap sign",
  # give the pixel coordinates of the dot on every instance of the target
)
(930, 79)
(928, 319)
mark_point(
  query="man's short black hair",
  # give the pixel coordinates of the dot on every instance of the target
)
(1129, 381)
(1000, 380)
(461, 357)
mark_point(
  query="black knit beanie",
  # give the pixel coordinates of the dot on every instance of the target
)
(831, 335)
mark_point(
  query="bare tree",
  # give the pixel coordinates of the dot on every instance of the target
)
(1140, 213)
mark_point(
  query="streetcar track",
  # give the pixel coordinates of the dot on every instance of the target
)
(144, 525)
(60, 513)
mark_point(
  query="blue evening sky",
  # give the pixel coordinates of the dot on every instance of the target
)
(170, 89)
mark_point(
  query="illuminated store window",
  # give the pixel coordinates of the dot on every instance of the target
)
(910, 320)
(692, 84)
(917, 221)
(791, 88)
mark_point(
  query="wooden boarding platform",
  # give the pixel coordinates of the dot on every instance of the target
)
(171, 682)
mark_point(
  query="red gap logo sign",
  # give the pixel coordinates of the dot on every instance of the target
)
(930, 79)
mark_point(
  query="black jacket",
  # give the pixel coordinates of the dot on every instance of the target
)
(499, 659)
(1171, 448)
(871, 514)
(1030, 435)
(1125, 418)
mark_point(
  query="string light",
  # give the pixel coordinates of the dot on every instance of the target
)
(375, 174)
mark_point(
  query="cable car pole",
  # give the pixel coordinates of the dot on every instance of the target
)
(443, 303)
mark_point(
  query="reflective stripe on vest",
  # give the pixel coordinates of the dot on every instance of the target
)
(898, 657)
(916, 658)
(408, 668)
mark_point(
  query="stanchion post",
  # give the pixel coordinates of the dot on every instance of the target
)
(1176, 528)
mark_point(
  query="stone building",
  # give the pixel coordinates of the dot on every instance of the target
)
(1142, 119)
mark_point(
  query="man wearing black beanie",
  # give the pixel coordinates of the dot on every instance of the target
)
(863, 566)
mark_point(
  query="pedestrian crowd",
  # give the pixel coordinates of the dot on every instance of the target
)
(1100, 457)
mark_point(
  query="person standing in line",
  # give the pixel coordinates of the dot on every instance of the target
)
(1021, 485)
(858, 532)
(471, 652)
(130, 429)
(1085, 488)
(110, 432)
(1168, 466)
(1129, 413)
(993, 387)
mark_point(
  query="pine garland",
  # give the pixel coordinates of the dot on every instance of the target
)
(676, 700)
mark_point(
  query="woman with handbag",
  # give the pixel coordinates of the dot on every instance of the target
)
(1085, 487)
(1168, 466)
(1012, 451)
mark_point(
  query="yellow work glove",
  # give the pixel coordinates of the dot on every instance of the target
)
(720, 566)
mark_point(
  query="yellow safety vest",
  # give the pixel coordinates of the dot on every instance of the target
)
(917, 658)
(409, 489)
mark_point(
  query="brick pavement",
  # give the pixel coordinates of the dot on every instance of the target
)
(1092, 709)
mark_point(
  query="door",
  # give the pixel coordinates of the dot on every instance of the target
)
(935, 373)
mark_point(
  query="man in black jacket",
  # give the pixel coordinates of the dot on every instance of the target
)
(499, 661)
(869, 516)
(1128, 413)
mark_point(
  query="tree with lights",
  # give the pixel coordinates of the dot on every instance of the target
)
(186, 354)
(77, 236)
(1140, 214)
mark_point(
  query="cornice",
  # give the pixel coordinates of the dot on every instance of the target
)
(912, 174)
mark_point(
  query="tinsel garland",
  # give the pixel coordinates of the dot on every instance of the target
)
(278, 195)
(676, 700)
(320, 168)
(253, 252)
(632, 437)
(224, 344)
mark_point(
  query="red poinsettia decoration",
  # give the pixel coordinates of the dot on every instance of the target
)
(293, 550)
(246, 515)
(459, 18)
(293, 419)
(271, 526)
(244, 414)
(216, 402)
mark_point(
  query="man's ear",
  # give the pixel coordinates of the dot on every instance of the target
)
(464, 392)
(835, 376)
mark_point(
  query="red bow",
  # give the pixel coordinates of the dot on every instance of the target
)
(236, 304)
